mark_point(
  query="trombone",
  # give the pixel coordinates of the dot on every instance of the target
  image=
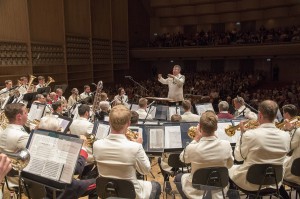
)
(250, 124)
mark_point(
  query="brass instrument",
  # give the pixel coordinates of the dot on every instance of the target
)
(19, 159)
(91, 138)
(50, 80)
(295, 121)
(4, 121)
(192, 132)
(31, 78)
(97, 97)
(32, 123)
(131, 135)
(250, 124)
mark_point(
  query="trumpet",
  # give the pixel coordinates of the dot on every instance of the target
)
(50, 80)
(19, 159)
(295, 121)
(250, 124)
(192, 132)
(131, 135)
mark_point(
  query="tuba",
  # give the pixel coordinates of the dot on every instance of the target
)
(192, 132)
(50, 80)
(19, 159)
(31, 78)
(250, 124)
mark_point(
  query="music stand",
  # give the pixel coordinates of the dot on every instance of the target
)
(53, 159)
(64, 123)
(44, 90)
(62, 86)
(161, 112)
(101, 129)
(29, 97)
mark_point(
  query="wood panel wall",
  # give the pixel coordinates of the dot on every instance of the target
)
(76, 42)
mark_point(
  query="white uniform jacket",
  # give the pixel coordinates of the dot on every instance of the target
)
(13, 138)
(263, 145)
(243, 111)
(175, 86)
(208, 152)
(295, 146)
(143, 113)
(190, 117)
(117, 157)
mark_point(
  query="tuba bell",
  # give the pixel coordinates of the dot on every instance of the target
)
(50, 80)
(19, 159)
(31, 78)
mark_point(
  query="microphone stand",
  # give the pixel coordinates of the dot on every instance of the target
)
(138, 84)
(148, 111)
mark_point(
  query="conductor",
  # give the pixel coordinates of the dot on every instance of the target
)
(175, 82)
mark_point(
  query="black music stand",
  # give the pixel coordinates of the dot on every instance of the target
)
(44, 90)
(161, 112)
(29, 97)
(45, 148)
(65, 123)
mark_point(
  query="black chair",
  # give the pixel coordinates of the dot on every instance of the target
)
(177, 167)
(295, 171)
(264, 174)
(211, 178)
(111, 187)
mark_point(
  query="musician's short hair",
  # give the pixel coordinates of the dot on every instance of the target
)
(7, 81)
(143, 102)
(103, 96)
(223, 106)
(104, 106)
(177, 66)
(239, 100)
(41, 77)
(50, 122)
(59, 89)
(176, 118)
(134, 117)
(82, 109)
(291, 109)
(74, 90)
(186, 105)
(268, 109)
(209, 122)
(86, 86)
(23, 78)
(119, 116)
(12, 110)
(56, 105)
(39, 96)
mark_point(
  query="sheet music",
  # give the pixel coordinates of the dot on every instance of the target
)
(137, 129)
(63, 124)
(173, 137)
(134, 107)
(102, 131)
(53, 157)
(156, 138)
(152, 111)
(173, 110)
(220, 132)
(36, 111)
(201, 108)
(106, 118)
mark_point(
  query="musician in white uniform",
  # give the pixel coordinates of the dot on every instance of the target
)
(23, 87)
(4, 93)
(86, 93)
(142, 111)
(175, 82)
(265, 144)
(289, 112)
(117, 157)
(121, 98)
(242, 110)
(206, 150)
(188, 116)
(41, 83)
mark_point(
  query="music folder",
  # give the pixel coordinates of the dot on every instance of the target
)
(43, 90)
(201, 108)
(101, 129)
(64, 123)
(53, 158)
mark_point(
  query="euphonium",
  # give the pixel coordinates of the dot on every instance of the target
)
(131, 135)
(50, 80)
(192, 131)
(250, 124)
(31, 78)
(19, 159)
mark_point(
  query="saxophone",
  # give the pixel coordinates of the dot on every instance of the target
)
(4, 121)
(97, 97)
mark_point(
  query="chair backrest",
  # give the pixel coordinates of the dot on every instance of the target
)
(111, 187)
(174, 161)
(211, 176)
(264, 174)
(295, 167)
